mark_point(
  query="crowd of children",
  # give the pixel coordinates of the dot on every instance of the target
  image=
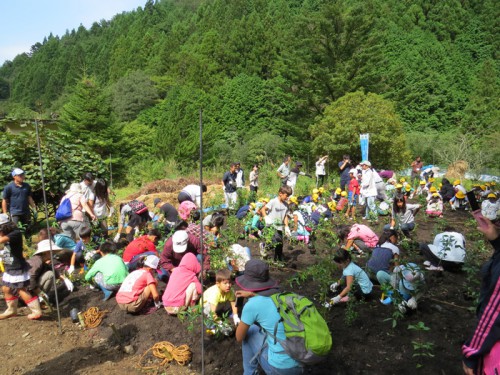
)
(184, 259)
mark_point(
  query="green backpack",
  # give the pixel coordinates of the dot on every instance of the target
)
(308, 339)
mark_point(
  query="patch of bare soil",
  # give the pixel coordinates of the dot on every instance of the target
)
(369, 345)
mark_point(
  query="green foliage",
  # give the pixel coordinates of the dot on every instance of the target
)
(132, 94)
(86, 116)
(337, 131)
(64, 161)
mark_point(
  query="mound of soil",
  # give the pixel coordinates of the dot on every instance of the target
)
(364, 339)
(168, 190)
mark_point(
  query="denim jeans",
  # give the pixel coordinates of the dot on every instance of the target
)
(254, 350)
(405, 228)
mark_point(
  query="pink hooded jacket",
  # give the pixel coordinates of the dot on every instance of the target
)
(181, 277)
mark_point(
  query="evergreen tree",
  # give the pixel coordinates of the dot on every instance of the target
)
(86, 116)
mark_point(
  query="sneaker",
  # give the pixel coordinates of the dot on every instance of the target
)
(262, 249)
(434, 268)
(427, 263)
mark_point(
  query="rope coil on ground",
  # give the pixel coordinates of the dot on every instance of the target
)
(93, 317)
(167, 352)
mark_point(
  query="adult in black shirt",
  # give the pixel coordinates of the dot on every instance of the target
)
(345, 166)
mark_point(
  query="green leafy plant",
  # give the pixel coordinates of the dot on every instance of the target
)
(422, 349)
(420, 326)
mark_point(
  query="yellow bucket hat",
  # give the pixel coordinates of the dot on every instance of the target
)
(343, 194)
(460, 195)
(433, 189)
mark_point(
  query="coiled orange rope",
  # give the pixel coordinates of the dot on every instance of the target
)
(167, 352)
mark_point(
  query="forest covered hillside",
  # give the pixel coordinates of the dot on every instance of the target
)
(272, 77)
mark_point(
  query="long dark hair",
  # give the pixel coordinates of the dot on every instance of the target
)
(343, 231)
(386, 236)
(395, 207)
(341, 256)
(8, 227)
(101, 191)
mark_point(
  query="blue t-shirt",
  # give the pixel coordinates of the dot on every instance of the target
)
(64, 242)
(18, 198)
(360, 277)
(80, 247)
(262, 310)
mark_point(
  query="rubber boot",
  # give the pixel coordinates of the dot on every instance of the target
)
(36, 311)
(107, 293)
(11, 308)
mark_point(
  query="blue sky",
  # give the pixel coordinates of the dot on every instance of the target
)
(25, 22)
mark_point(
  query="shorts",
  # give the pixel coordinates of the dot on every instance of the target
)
(183, 196)
(352, 199)
(135, 220)
(137, 305)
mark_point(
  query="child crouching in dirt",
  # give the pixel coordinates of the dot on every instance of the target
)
(357, 281)
(435, 206)
(183, 288)
(407, 280)
(139, 287)
(109, 271)
(16, 275)
(219, 299)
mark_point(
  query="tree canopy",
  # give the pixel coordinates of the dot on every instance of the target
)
(337, 131)
(261, 69)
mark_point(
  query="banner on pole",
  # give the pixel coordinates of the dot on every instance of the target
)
(364, 140)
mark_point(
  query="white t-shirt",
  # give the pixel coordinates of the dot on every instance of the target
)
(276, 211)
(239, 179)
(320, 167)
(254, 178)
(194, 192)
(88, 191)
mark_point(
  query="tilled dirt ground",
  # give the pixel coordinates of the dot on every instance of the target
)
(369, 345)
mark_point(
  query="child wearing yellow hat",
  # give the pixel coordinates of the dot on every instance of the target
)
(421, 189)
(457, 185)
(459, 201)
(434, 206)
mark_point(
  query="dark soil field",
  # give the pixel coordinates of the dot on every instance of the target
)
(364, 339)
